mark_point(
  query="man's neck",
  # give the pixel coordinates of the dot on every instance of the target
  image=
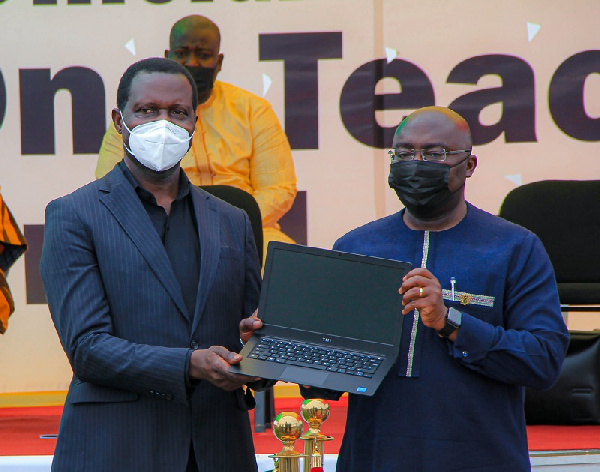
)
(164, 186)
(445, 221)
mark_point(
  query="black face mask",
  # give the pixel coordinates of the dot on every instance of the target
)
(203, 77)
(422, 186)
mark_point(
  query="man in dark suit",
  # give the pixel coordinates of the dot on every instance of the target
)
(151, 283)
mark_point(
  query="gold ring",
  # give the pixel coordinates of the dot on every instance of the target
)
(420, 291)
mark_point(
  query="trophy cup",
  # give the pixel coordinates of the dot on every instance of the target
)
(287, 427)
(314, 411)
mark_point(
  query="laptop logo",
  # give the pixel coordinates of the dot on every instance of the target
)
(361, 389)
(327, 340)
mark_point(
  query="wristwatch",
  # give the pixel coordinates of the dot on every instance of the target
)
(453, 321)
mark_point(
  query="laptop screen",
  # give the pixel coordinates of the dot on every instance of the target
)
(332, 293)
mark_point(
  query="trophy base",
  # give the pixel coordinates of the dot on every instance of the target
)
(288, 462)
(314, 449)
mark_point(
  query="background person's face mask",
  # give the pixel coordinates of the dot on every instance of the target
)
(204, 77)
(157, 145)
(422, 186)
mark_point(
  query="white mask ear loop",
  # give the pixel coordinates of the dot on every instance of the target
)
(123, 121)
(129, 131)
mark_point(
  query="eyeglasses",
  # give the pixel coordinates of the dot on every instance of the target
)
(438, 155)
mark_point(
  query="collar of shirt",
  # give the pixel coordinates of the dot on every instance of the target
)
(184, 185)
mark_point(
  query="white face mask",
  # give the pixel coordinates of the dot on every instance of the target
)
(157, 145)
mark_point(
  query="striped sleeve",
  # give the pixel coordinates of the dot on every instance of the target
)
(12, 246)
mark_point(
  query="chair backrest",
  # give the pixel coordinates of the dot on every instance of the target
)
(241, 199)
(265, 409)
(565, 215)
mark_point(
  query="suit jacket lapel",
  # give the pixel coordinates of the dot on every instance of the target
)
(121, 200)
(209, 233)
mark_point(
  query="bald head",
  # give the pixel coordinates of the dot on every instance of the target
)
(430, 163)
(195, 42)
(194, 25)
(434, 125)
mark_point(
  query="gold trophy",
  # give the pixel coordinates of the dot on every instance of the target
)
(287, 427)
(314, 411)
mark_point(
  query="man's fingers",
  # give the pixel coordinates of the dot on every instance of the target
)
(225, 354)
(250, 324)
(413, 282)
(246, 324)
(419, 272)
(235, 358)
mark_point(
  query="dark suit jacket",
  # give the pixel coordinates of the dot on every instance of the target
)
(119, 312)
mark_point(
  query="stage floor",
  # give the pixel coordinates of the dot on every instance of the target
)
(550, 461)
(28, 440)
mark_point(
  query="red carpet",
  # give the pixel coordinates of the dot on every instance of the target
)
(20, 430)
(558, 438)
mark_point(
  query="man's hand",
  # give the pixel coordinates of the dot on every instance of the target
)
(248, 326)
(211, 364)
(421, 290)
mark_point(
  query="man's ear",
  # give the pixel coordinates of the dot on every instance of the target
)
(471, 165)
(117, 120)
(219, 64)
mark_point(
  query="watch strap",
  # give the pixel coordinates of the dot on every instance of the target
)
(450, 326)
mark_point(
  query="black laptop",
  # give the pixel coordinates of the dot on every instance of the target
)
(331, 319)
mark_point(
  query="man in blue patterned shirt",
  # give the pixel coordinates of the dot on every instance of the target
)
(482, 318)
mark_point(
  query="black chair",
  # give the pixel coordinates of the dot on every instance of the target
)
(265, 410)
(241, 199)
(565, 215)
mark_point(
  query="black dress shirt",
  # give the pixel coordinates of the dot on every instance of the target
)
(178, 232)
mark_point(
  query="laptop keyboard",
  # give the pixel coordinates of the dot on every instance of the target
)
(316, 357)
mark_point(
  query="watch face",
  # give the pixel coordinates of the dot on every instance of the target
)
(454, 317)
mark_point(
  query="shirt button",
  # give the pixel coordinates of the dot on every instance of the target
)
(194, 345)
(465, 354)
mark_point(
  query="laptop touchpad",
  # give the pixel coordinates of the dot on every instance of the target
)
(303, 376)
